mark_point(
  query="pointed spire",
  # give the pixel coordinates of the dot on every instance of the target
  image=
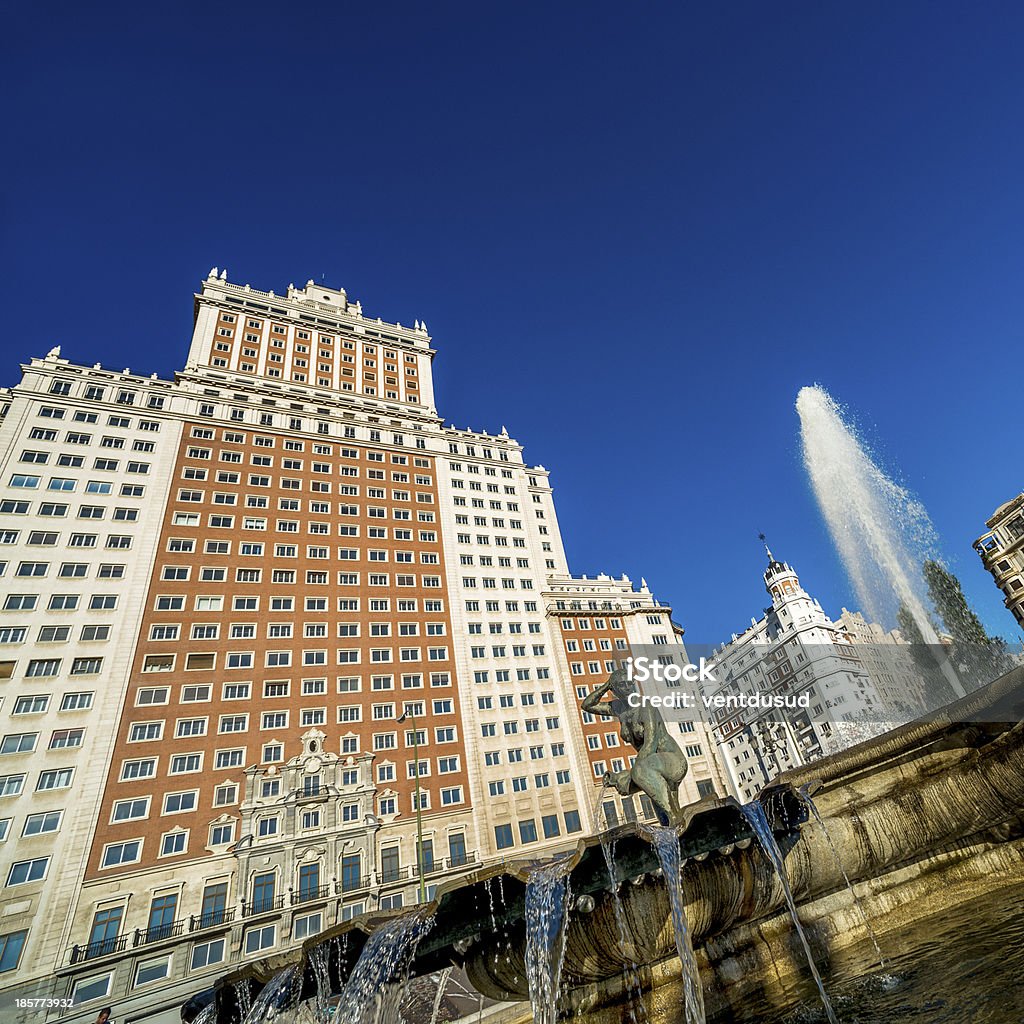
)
(761, 538)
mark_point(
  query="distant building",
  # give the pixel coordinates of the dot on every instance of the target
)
(885, 654)
(793, 650)
(1002, 553)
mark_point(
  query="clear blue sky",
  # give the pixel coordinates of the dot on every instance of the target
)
(634, 232)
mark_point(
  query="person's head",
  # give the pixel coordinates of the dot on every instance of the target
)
(104, 1015)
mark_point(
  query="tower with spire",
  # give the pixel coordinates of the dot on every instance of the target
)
(793, 650)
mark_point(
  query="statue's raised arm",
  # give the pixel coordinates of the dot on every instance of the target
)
(593, 703)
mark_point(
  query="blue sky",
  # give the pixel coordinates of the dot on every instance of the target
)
(634, 233)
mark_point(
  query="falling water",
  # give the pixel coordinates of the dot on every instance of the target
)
(374, 990)
(631, 972)
(277, 996)
(243, 998)
(207, 1015)
(755, 815)
(319, 959)
(506, 941)
(666, 843)
(547, 898)
(813, 808)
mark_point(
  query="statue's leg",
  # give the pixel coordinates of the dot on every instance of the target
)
(674, 767)
(659, 775)
(650, 780)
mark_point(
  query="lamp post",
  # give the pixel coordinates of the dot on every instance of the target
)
(408, 713)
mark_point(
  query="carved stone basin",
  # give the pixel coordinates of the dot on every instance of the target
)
(922, 818)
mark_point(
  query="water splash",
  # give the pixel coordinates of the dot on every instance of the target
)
(243, 997)
(755, 815)
(547, 899)
(374, 990)
(813, 808)
(666, 843)
(277, 997)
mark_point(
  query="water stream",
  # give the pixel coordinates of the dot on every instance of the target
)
(374, 991)
(319, 959)
(813, 808)
(547, 901)
(666, 842)
(243, 997)
(637, 1012)
(277, 997)
(755, 815)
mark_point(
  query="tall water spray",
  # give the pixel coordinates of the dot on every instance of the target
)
(882, 533)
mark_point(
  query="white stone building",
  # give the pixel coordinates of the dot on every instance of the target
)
(793, 652)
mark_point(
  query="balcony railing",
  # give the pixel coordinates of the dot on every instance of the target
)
(307, 895)
(469, 857)
(211, 919)
(101, 948)
(171, 930)
(262, 906)
(347, 885)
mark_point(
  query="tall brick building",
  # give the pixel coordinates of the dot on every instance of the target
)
(250, 616)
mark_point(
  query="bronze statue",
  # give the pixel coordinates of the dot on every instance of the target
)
(660, 765)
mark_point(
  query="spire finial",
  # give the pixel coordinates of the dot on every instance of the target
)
(763, 540)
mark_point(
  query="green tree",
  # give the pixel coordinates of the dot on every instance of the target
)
(956, 614)
(980, 657)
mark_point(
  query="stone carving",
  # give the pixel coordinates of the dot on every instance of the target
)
(660, 764)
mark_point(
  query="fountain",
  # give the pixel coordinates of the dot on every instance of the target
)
(928, 820)
(723, 907)
(882, 533)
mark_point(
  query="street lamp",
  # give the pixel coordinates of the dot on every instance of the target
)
(410, 714)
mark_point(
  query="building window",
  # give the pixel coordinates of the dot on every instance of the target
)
(258, 939)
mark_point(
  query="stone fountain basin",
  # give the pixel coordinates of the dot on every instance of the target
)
(486, 907)
(916, 803)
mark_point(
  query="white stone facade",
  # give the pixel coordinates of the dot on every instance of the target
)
(794, 649)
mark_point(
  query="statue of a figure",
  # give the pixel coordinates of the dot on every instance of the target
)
(660, 765)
